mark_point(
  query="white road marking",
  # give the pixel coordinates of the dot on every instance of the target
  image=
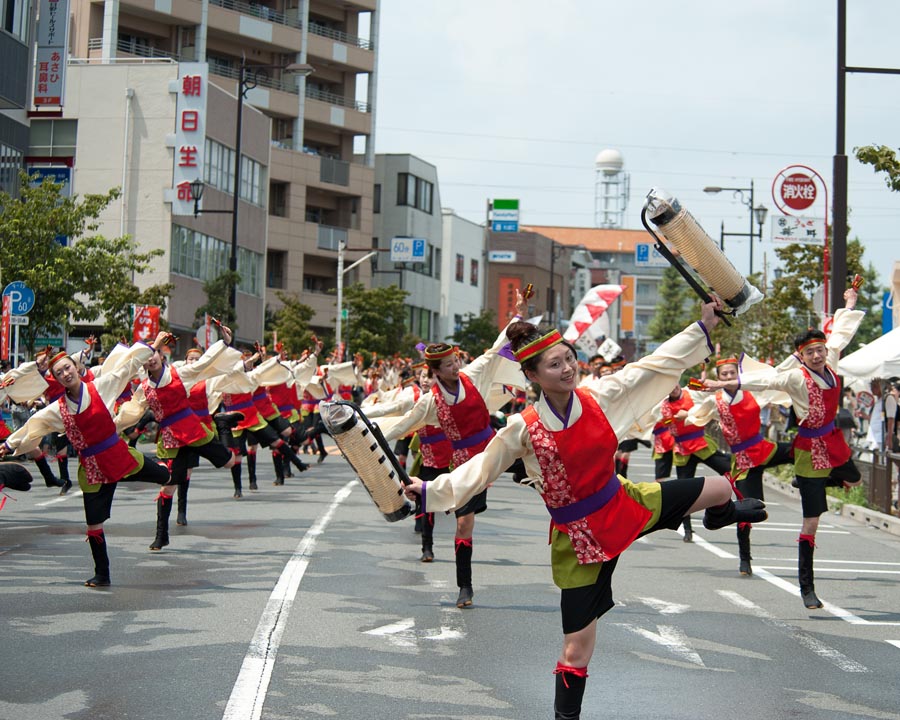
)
(664, 607)
(252, 684)
(671, 638)
(810, 643)
(61, 499)
(895, 643)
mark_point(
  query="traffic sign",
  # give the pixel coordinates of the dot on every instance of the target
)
(798, 191)
(18, 319)
(21, 298)
(408, 249)
(645, 255)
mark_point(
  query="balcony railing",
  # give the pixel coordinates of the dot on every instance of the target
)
(335, 99)
(136, 49)
(340, 36)
(334, 171)
(285, 84)
(330, 238)
(260, 11)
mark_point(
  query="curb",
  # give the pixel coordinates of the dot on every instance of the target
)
(864, 516)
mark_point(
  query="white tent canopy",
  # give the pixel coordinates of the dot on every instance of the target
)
(879, 359)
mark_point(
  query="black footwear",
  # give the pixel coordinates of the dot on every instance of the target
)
(688, 536)
(163, 510)
(98, 581)
(322, 456)
(810, 599)
(15, 477)
(465, 597)
(748, 510)
(427, 555)
(278, 482)
(237, 495)
(745, 568)
(253, 485)
(66, 486)
(181, 519)
(688, 529)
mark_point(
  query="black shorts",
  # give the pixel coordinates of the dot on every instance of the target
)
(628, 446)
(812, 490)
(279, 423)
(98, 505)
(581, 606)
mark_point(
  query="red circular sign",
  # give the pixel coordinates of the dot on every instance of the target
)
(798, 191)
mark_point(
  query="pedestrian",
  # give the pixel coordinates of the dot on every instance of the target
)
(568, 441)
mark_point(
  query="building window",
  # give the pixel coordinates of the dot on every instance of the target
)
(203, 257)
(276, 269)
(11, 163)
(457, 323)
(437, 264)
(460, 268)
(15, 16)
(415, 192)
(278, 195)
(52, 138)
(376, 199)
(318, 284)
(473, 273)
(218, 171)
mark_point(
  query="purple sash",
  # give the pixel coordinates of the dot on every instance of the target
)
(484, 434)
(590, 504)
(806, 432)
(745, 444)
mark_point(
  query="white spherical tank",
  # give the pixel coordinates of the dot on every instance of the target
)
(609, 161)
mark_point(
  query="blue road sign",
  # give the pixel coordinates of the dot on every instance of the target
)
(504, 226)
(21, 297)
(418, 249)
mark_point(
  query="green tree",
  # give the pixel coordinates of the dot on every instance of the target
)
(376, 319)
(477, 333)
(218, 294)
(672, 309)
(291, 323)
(74, 281)
(882, 159)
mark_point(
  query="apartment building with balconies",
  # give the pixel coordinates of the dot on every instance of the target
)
(320, 171)
(16, 37)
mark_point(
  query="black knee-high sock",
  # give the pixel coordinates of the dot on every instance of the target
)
(97, 540)
(463, 562)
(251, 465)
(62, 462)
(44, 467)
(570, 683)
(236, 476)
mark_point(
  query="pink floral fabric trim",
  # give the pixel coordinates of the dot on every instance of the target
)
(558, 493)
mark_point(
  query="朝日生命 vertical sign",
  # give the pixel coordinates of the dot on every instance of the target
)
(190, 134)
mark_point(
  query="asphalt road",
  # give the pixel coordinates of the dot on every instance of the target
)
(302, 602)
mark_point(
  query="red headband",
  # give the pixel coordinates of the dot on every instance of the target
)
(536, 347)
(438, 354)
(811, 341)
(727, 361)
(56, 358)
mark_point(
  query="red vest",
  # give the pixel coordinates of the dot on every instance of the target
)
(467, 424)
(688, 438)
(243, 403)
(178, 424)
(199, 403)
(574, 478)
(663, 441)
(818, 433)
(741, 425)
(104, 456)
(263, 404)
(283, 398)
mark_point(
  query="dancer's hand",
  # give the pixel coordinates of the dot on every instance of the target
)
(414, 488)
(708, 311)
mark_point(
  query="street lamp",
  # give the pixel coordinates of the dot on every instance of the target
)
(758, 213)
(248, 78)
(341, 271)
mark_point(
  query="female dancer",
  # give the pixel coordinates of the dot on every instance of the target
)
(457, 404)
(568, 442)
(84, 413)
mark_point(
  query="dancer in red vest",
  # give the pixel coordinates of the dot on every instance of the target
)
(84, 413)
(182, 437)
(821, 454)
(738, 413)
(568, 442)
(456, 403)
(691, 444)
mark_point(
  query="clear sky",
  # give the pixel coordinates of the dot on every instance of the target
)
(515, 98)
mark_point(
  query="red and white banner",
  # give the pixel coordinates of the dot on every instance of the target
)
(146, 322)
(594, 303)
(4, 328)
